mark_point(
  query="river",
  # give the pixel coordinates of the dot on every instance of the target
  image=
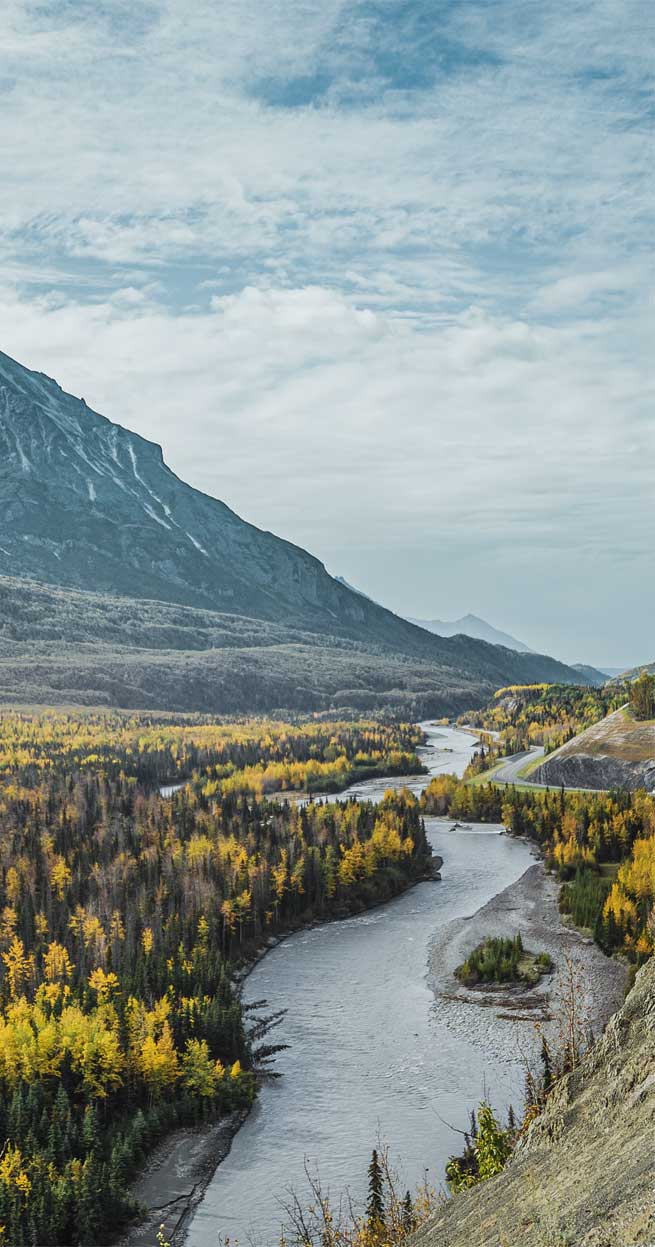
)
(371, 1053)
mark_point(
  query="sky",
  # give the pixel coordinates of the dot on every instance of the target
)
(377, 273)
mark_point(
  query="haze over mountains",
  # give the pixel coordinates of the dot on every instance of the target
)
(206, 610)
(473, 626)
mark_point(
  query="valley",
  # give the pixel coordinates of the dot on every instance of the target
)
(205, 867)
(405, 1052)
(122, 585)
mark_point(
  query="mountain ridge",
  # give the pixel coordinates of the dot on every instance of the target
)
(475, 627)
(92, 508)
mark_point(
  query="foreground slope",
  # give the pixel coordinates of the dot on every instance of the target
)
(618, 752)
(583, 1174)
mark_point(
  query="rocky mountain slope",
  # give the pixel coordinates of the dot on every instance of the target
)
(86, 506)
(618, 752)
(583, 1174)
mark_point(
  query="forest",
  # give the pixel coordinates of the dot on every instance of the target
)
(642, 696)
(542, 714)
(123, 913)
(602, 845)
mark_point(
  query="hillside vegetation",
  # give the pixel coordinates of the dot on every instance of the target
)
(617, 752)
(544, 714)
(61, 647)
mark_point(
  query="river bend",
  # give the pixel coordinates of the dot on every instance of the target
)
(370, 1053)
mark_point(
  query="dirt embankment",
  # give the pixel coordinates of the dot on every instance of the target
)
(583, 1174)
(618, 752)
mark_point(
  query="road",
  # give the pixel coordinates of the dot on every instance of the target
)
(508, 773)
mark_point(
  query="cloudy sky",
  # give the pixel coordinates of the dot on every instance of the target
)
(375, 272)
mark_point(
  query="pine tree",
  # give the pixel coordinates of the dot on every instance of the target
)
(408, 1215)
(547, 1067)
(375, 1205)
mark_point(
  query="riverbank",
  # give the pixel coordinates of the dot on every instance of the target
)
(180, 1168)
(499, 1020)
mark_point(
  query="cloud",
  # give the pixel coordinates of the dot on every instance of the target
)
(397, 452)
(149, 141)
(372, 272)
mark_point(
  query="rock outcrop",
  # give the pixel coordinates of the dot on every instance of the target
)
(618, 752)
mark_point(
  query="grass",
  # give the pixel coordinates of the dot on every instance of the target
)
(531, 765)
(619, 736)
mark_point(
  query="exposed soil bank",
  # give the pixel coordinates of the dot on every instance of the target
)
(505, 1018)
(175, 1178)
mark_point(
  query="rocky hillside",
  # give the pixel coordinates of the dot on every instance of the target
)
(88, 506)
(61, 646)
(583, 1175)
(618, 752)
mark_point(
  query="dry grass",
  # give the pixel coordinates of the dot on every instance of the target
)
(618, 736)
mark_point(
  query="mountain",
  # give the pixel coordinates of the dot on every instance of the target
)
(592, 674)
(341, 580)
(630, 673)
(152, 576)
(471, 625)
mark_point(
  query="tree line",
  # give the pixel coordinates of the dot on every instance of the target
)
(581, 834)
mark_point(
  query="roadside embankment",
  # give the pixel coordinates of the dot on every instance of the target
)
(618, 752)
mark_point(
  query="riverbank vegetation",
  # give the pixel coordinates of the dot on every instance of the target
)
(391, 1217)
(499, 960)
(581, 834)
(121, 916)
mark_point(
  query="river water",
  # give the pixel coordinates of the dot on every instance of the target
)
(371, 1054)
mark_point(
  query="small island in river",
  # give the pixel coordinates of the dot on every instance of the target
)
(498, 961)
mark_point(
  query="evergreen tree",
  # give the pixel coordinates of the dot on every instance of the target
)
(547, 1079)
(375, 1205)
(408, 1215)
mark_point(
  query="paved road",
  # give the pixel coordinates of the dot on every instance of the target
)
(508, 773)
